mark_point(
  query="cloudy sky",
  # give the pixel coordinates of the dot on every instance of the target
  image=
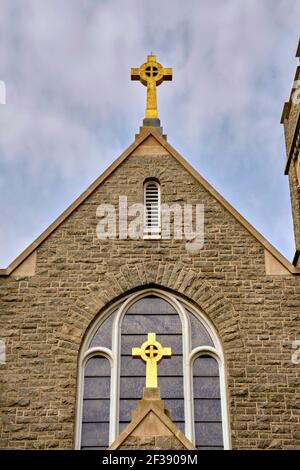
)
(72, 109)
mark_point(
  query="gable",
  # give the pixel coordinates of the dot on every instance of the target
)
(151, 427)
(127, 173)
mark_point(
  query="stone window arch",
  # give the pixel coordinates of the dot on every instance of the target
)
(192, 382)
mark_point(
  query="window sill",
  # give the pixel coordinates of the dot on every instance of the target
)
(152, 236)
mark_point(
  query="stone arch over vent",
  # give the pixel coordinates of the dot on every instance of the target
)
(174, 278)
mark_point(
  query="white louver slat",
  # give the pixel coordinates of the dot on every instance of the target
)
(152, 209)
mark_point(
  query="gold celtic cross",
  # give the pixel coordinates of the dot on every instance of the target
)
(151, 352)
(151, 74)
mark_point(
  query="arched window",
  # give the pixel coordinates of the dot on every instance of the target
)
(96, 403)
(207, 402)
(152, 217)
(192, 382)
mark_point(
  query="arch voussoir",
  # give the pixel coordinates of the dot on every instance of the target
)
(176, 277)
(167, 274)
(113, 281)
(187, 281)
(177, 271)
(141, 273)
(160, 273)
(151, 271)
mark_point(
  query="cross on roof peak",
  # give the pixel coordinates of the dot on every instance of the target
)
(151, 74)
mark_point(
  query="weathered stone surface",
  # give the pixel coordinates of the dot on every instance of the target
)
(151, 427)
(44, 318)
(157, 443)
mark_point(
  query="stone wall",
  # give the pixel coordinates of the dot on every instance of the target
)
(152, 443)
(290, 126)
(44, 317)
(295, 201)
(291, 121)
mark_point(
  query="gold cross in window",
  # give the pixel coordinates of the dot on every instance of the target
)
(151, 74)
(151, 352)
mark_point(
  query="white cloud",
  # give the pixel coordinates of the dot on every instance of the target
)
(71, 107)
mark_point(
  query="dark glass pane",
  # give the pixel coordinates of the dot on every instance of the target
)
(170, 387)
(151, 314)
(208, 434)
(134, 340)
(95, 410)
(207, 403)
(97, 366)
(151, 305)
(207, 410)
(96, 387)
(138, 323)
(176, 407)
(206, 387)
(209, 447)
(94, 448)
(95, 434)
(181, 426)
(103, 335)
(136, 367)
(96, 403)
(206, 366)
(199, 334)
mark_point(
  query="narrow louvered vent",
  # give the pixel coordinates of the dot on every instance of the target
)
(152, 209)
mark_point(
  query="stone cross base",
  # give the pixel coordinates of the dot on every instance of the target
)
(151, 427)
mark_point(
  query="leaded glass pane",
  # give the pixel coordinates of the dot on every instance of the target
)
(151, 314)
(207, 403)
(96, 404)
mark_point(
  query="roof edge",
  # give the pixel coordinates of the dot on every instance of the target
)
(292, 146)
(288, 104)
(139, 140)
(78, 201)
(249, 227)
(160, 414)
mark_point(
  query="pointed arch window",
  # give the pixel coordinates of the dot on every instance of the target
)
(152, 216)
(96, 403)
(192, 382)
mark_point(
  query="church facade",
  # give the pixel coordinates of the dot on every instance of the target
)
(75, 303)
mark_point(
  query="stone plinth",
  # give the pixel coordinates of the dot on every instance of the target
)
(151, 427)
